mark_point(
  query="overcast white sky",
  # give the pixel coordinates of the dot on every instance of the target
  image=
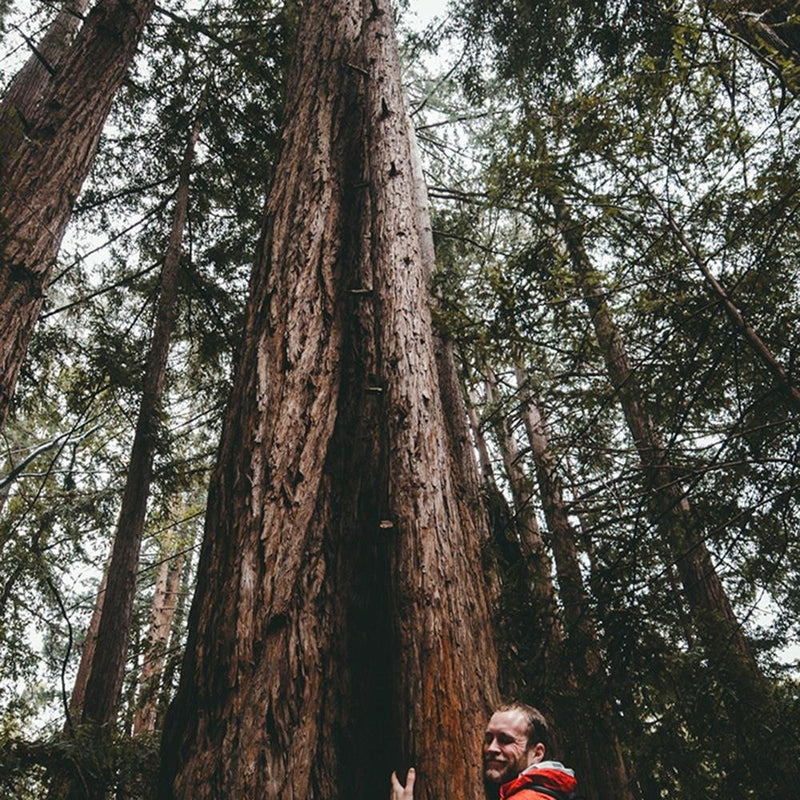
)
(426, 10)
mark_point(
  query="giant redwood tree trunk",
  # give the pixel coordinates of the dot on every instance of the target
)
(339, 627)
(45, 158)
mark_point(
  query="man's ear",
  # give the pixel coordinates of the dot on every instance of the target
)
(535, 753)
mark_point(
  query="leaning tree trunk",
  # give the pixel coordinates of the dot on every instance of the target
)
(45, 159)
(175, 641)
(611, 776)
(680, 530)
(525, 642)
(339, 627)
(108, 666)
(87, 656)
(27, 87)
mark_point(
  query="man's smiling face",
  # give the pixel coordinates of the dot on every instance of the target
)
(506, 752)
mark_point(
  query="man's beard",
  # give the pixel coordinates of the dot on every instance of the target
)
(491, 789)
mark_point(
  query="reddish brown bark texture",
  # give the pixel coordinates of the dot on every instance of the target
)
(29, 84)
(339, 627)
(45, 158)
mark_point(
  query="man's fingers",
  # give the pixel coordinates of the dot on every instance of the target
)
(399, 792)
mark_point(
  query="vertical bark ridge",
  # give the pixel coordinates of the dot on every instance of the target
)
(22, 96)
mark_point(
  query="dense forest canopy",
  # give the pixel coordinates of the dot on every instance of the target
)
(497, 321)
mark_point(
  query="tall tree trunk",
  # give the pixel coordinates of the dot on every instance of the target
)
(29, 84)
(680, 529)
(611, 776)
(59, 784)
(87, 654)
(517, 615)
(165, 601)
(44, 164)
(340, 624)
(175, 642)
(549, 670)
(108, 666)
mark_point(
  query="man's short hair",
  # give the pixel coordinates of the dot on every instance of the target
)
(538, 729)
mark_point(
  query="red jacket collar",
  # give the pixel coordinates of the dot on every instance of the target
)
(548, 778)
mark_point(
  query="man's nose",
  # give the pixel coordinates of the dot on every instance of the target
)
(492, 747)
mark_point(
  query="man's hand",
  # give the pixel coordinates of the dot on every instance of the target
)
(400, 792)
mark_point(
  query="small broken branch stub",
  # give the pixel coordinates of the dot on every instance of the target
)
(364, 72)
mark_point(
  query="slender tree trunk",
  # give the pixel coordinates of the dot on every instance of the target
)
(515, 625)
(175, 642)
(87, 654)
(130, 684)
(29, 84)
(550, 665)
(108, 666)
(45, 159)
(679, 528)
(611, 776)
(165, 601)
(340, 624)
(59, 784)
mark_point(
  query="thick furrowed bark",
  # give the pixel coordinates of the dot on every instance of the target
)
(338, 566)
(44, 164)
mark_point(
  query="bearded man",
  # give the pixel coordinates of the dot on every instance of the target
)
(514, 764)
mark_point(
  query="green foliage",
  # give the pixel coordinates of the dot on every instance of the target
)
(677, 127)
(128, 766)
